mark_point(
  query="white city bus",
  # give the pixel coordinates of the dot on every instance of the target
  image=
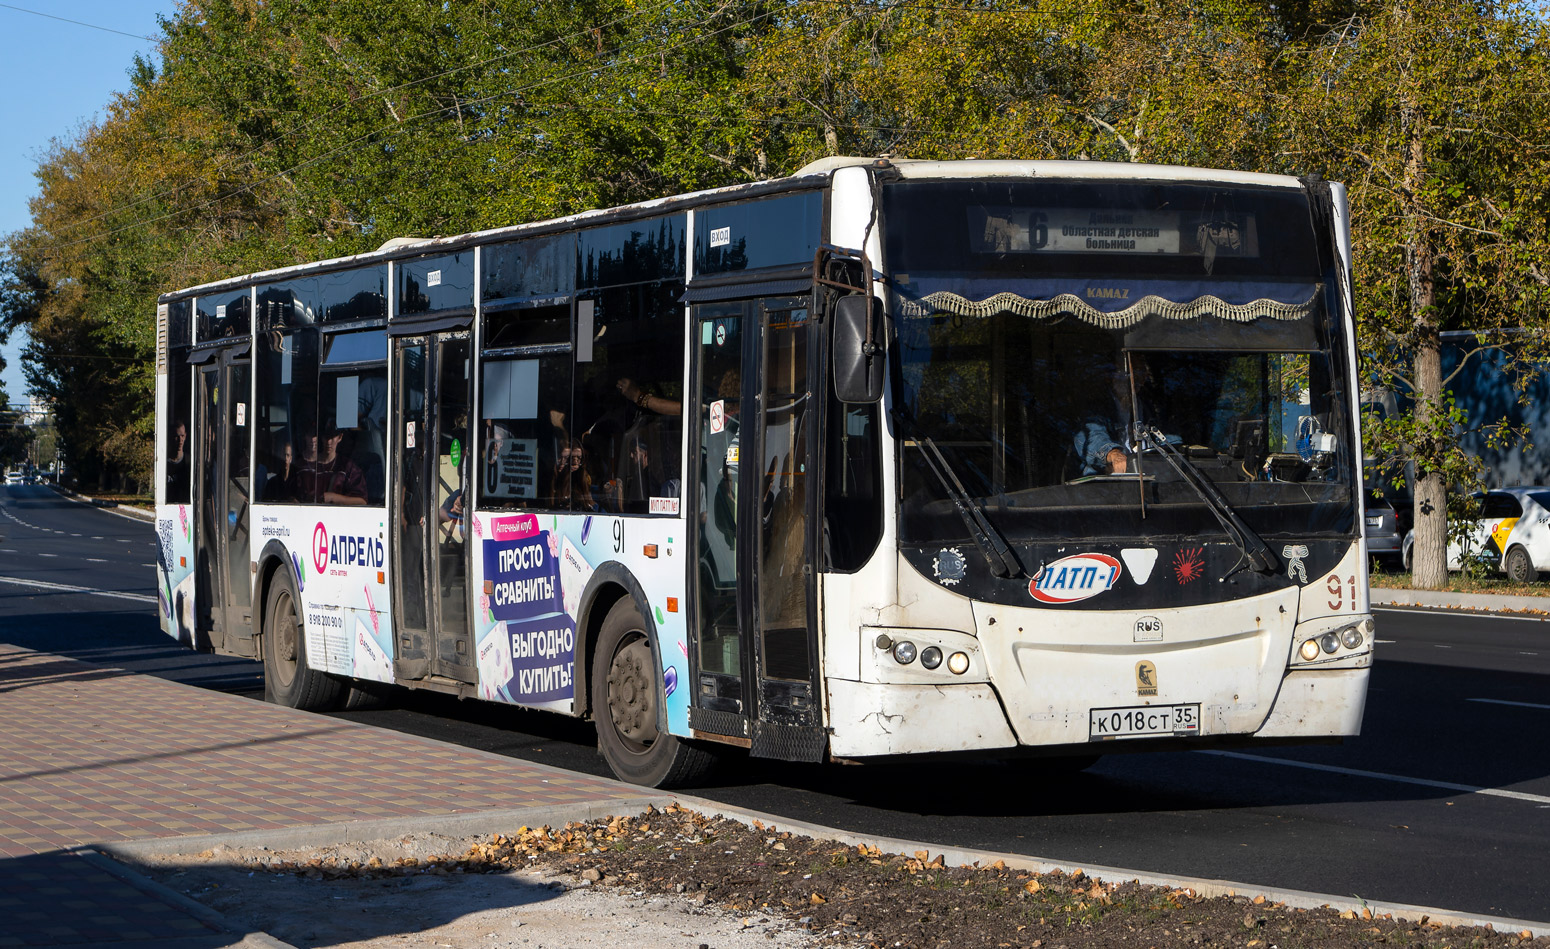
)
(1042, 458)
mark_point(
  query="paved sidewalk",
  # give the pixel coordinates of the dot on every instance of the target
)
(92, 755)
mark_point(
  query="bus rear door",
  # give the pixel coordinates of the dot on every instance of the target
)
(224, 584)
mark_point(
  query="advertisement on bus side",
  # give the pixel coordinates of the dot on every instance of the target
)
(175, 608)
(339, 562)
(531, 570)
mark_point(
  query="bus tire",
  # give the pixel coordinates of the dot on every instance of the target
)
(288, 680)
(364, 696)
(1519, 567)
(627, 697)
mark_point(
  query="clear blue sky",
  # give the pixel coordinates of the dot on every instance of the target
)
(57, 76)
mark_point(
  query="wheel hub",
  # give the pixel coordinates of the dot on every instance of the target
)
(632, 693)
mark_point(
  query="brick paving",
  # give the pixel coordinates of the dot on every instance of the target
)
(93, 754)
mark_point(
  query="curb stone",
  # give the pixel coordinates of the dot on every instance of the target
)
(495, 821)
(194, 908)
(1440, 599)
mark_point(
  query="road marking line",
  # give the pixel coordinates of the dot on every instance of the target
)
(48, 555)
(1505, 702)
(95, 560)
(1380, 776)
(64, 588)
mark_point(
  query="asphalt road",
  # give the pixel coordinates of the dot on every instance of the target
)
(1444, 800)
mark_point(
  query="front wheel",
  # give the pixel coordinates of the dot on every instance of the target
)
(1519, 567)
(288, 680)
(628, 704)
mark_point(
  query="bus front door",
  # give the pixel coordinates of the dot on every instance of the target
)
(756, 645)
(431, 514)
(224, 584)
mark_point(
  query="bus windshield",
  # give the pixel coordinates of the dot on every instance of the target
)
(1046, 331)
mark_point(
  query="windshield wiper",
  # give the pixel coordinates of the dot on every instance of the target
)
(998, 553)
(1255, 551)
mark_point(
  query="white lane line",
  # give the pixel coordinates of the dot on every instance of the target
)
(64, 588)
(1473, 614)
(95, 560)
(1380, 776)
(48, 555)
(1505, 702)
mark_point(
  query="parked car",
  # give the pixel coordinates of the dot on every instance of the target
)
(1384, 538)
(1513, 529)
(13, 477)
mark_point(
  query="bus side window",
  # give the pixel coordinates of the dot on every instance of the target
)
(524, 404)
(629, 398)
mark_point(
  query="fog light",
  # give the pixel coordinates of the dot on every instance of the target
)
(958, 663)
(1351, 637)
(1309, 650)
(931, 657)
(1330, 642)
(904, 652)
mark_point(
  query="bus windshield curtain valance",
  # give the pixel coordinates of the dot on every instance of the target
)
(1123, 307)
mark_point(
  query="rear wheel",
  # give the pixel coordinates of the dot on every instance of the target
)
(1519, 567)
(288, 680)
(628, 705)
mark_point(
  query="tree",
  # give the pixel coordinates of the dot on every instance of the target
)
(1434, 114)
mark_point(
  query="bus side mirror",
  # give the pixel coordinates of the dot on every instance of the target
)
(858, 349)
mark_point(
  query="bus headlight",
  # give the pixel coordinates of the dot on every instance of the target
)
(931, 657)
(904, 652)
(1309, 650)
(1351, 637)
(958, 663)
(1330, 642)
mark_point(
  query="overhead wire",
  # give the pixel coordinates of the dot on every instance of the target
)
(63, 19)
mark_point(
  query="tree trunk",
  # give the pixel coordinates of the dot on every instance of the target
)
(1429, 556)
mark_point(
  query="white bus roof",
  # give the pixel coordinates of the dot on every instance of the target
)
(401, 247)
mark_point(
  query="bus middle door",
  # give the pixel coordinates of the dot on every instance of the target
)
(430, 510)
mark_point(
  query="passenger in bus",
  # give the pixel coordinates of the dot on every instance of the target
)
(325, 475)
(642, 399)
(280, 485)
(572, 482)
(177, 462)
(639, 479)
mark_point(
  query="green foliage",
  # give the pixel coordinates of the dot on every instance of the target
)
(268, 132)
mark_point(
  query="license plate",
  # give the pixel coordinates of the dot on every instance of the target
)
(1375, 521)
(1138, 721)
